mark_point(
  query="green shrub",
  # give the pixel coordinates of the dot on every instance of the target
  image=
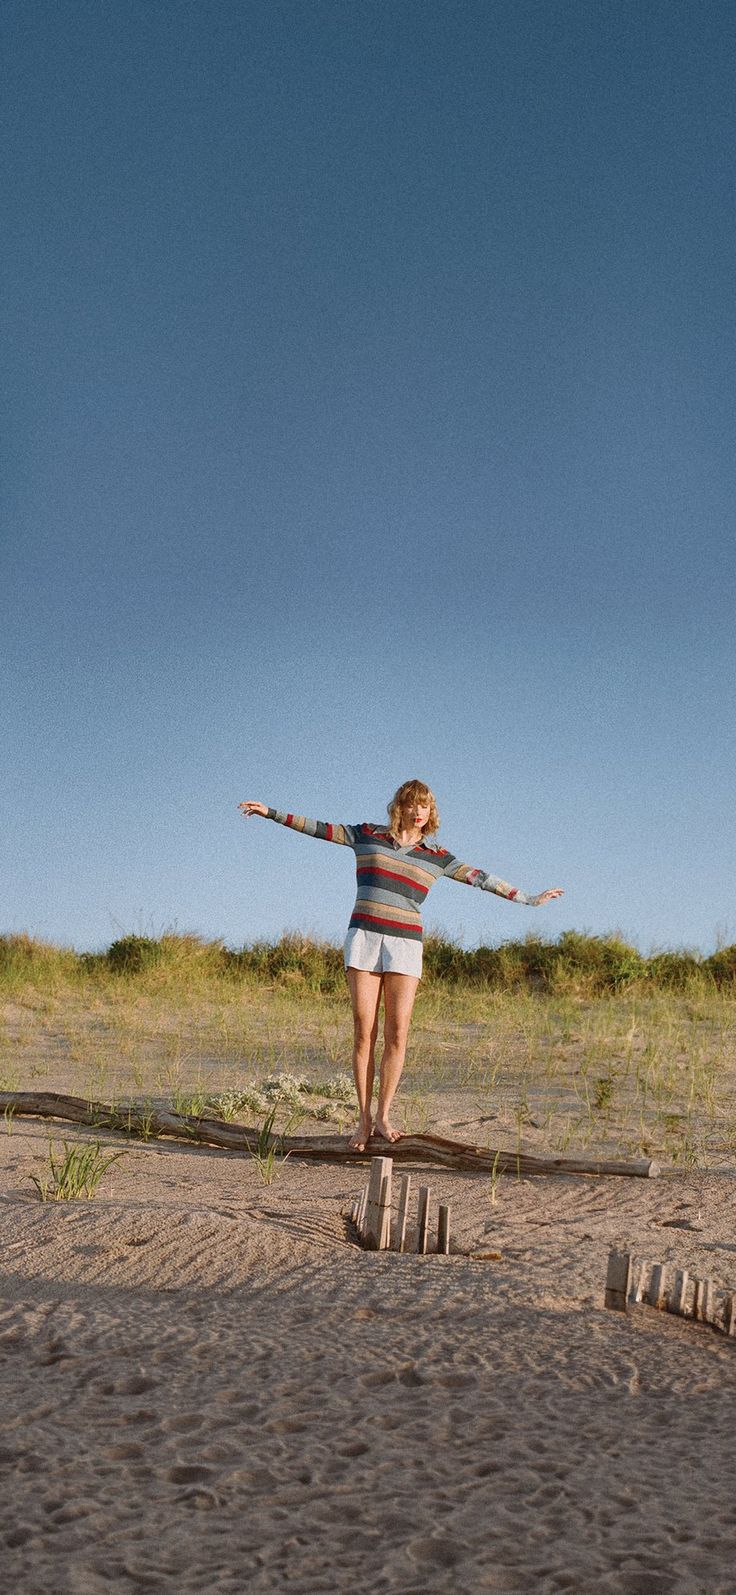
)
(132, 954)
(445, 960)
(674, 971)
(172, 956)
(721, 966)
(601, 963)
(291, 960)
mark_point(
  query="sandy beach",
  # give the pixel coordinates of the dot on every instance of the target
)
(206, 1386)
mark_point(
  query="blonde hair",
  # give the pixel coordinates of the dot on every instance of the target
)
(413, 792)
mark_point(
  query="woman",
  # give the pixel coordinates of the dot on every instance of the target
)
(396, 865)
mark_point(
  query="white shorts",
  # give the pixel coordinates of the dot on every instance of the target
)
(380, 955)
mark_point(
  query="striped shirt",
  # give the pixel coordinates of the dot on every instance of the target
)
(393, 881)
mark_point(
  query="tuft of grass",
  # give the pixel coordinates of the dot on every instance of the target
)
(77, 1173)
(268, 1153)
(190, 1104)
(603, 1092)
(27, 962)
(136, 1120)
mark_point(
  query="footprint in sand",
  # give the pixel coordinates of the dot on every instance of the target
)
(354, 1448)
(184, 1424)
(133, 1385)
(189, 1473)
(433, 1551)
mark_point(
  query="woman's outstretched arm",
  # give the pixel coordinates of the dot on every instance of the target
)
(342, 834)
(455, 871)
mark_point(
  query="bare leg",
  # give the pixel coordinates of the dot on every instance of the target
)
(399, 992)
(365, 996)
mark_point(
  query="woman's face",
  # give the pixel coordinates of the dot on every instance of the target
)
(417, 813)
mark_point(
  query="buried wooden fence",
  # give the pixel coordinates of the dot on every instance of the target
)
(371, 1214)
(634, 1280)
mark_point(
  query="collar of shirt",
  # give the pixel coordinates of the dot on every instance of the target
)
(385, 835)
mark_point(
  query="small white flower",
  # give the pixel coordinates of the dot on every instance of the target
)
(284, 1088)
(231, 1102)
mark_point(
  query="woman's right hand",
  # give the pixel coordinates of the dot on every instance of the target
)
(249, 808)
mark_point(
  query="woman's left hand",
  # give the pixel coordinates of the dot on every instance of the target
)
(546, 897)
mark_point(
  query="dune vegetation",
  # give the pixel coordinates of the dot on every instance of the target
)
(582, 1042)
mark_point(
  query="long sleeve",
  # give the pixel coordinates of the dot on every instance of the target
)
(344, 835)
(455, 871)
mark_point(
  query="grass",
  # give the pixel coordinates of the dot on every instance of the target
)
(268, 1153)
(575, 962)
(77, 1173)
(568, 1045)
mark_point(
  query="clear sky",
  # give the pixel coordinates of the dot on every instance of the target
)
(368, 413)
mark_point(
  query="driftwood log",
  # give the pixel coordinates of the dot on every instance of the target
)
(147, 1123)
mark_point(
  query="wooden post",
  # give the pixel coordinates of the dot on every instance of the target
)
(380, 1168)
(362, 1204)
(656, 1295)
(443, 1230)
(404, 1190)
(729, 1316)
(703, 1304)
(423, 1218)
(618, 1279)
(641, 1283)
(709, 1302)
(384, 1239)
(679, 1293)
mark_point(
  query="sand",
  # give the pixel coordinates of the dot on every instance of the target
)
(206, 1386)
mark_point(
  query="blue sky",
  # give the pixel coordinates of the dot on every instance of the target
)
(368, 413)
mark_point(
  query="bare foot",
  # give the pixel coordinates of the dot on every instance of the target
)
(386, 1131)
(359, 1139)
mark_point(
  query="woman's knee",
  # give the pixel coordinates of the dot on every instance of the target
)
(395, 1035)
(364, 1033)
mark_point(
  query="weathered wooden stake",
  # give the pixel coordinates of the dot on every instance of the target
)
(423, 1218)
(642, 1281)
(709, 1302)
(729, 1316)
(362, 1204)
(656, 1294)
(404, 1189)
(374, 1220)
(443, 1230)
(618, 1280)
(703, 1294)
(384, 1239)
(679, 1293)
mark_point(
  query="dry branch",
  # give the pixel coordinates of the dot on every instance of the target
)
(421, 1149)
